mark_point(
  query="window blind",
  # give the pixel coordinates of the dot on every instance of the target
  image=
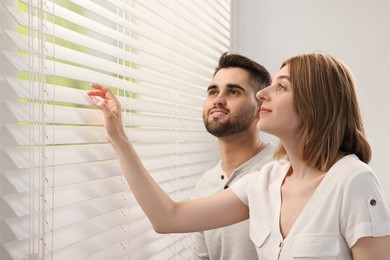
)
(63, 193)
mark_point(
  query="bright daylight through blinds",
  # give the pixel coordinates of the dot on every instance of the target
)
(63, 195)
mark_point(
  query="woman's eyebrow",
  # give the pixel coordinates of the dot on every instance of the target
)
(284, 77)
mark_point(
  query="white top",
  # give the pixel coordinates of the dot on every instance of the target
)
(231, 242)
(347, 205)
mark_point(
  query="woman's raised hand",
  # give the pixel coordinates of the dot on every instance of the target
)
(103, 98)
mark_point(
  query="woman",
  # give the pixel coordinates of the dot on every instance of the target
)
(319, 200)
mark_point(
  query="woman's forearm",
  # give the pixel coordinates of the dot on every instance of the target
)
(156, 204)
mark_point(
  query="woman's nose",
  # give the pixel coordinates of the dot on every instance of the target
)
(260, 95)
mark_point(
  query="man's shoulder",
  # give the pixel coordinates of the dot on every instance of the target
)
(209, 182)
(261, 158)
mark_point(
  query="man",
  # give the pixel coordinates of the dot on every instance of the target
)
(231, 113)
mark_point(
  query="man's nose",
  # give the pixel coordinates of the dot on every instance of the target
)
(220, 100)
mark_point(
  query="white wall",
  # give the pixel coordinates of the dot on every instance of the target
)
(357, 31)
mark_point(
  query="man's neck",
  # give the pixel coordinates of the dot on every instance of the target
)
(235, 151)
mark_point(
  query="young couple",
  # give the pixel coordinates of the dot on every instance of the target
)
(317, 199)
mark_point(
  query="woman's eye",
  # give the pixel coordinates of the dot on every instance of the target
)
(281, 87)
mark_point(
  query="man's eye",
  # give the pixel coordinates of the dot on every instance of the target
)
(212, 92)
(234, 92)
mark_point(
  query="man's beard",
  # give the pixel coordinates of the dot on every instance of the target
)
(237, 124)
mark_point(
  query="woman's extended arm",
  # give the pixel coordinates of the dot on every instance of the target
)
(166, 215)
(368, 248)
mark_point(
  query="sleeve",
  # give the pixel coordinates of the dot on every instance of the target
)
(258, 181)
(241, 186)
(200, 251)
(365, 211)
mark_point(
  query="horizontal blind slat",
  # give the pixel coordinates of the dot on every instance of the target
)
(60, 155)
(83, 74)
(190, 63)
(58, 52)
(69, 95)
(70, 214)
(75, 134)
(198, 38)
(96, 27)
(82, 116)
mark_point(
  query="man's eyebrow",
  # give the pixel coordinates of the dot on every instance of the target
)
(212, 87)
(229, 85)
